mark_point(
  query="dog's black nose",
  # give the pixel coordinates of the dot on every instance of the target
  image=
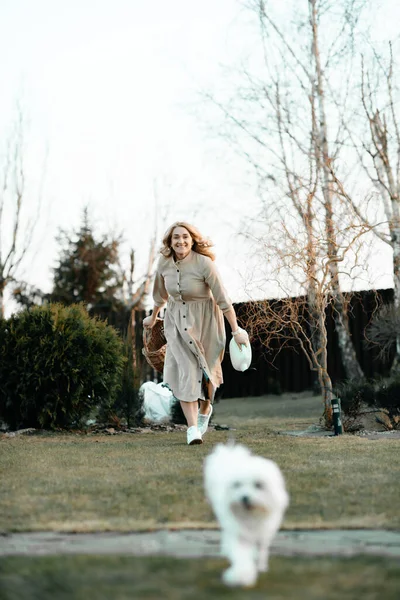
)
(246, 501)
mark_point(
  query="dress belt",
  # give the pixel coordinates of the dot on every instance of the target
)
(182, 301)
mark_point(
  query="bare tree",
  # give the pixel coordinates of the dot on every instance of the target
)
(137, 294)
(284, 117)
(298, 259)
(325, 160)
(16, 230)
(138, 291)
(380, 157)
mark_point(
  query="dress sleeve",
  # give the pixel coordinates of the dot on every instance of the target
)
(213, 279)
(160, 294)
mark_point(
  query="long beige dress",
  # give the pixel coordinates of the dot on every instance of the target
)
(193, 323)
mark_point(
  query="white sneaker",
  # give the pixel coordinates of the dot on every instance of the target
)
(193, 436)
(203, 420)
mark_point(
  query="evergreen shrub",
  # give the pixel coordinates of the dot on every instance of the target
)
(129, 403)
(354, 397)
(57, 364)
(383, 395)
(387, 398)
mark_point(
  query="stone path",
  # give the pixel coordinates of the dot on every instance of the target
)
(199, 543)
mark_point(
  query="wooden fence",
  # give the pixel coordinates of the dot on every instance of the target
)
(286, 369)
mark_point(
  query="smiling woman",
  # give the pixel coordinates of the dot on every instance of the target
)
(181, 242)
(189, 283)
(181, 237)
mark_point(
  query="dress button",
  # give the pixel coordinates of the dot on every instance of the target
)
(183, 302)
(190, 342)
(177, 270)
(185, 328)
(184, 316)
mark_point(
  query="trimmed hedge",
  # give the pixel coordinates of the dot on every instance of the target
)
(57, 364)
(129, 403)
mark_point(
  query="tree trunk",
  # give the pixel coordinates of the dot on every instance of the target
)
(316, 335)
(322, 367)
(2, 288)
(349, 359)
(395, 234)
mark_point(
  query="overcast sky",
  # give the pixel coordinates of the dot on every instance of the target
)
(109, 90)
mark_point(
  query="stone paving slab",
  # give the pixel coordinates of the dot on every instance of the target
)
(199, 543)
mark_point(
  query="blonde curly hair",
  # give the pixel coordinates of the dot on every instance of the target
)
(201, 245)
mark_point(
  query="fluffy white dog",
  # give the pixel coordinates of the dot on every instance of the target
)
(249, 499)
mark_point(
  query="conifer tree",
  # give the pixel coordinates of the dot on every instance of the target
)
(88, 270)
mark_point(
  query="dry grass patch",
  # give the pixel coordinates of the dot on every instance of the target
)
(143, 481)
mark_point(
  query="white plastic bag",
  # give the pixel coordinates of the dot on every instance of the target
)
(240, 357)
(157, 401)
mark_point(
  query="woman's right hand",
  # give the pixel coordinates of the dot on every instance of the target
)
(149, 322)
(241, 338)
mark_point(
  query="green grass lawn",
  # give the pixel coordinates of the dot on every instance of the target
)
(160, 578)
(76, 482)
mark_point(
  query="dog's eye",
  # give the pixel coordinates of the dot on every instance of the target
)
(259, 485)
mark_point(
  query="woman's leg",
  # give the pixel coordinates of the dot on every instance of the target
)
(205, 404)
(190, 410)
(205, 407)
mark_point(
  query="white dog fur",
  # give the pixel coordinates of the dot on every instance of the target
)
(249, 498)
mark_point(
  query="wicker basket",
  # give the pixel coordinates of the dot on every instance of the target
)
(155, 345)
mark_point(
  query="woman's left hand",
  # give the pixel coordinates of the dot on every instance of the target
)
(149, 322)
(241, 338)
